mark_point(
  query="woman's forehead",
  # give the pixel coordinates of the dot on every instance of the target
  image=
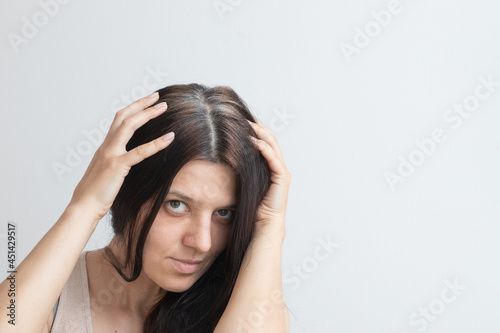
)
(205, 182)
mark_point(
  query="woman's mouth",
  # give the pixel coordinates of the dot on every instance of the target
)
(185, 266)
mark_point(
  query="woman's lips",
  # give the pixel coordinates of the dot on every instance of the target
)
(185, 266)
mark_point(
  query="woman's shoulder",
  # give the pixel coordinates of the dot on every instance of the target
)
(72, 311)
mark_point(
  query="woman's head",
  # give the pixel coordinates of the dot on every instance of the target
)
(213, 159)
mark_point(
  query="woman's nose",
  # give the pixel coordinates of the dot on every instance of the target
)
(198, 233)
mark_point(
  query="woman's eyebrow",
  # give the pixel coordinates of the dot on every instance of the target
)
(189, 199)
(184, 196)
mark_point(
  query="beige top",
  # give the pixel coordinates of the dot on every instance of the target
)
(73, 311)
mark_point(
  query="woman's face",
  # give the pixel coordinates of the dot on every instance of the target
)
(192, 227)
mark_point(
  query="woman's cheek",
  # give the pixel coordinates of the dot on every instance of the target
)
(224, 235)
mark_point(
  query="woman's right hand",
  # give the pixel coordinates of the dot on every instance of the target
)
(104, 177)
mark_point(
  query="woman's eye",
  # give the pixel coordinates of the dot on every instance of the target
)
(225, 213)
(176, 205)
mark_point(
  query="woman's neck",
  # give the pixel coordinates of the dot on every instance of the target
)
(109, 290)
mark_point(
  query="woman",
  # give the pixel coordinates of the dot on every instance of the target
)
(198, 222)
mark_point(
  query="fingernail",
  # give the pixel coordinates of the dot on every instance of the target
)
(161, 105)
(153, 95)
(249, 122)
(169, 136)
(253, 139)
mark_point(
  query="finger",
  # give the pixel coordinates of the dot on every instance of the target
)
(265, 134)
(133, 108)
(276, 164)
(140, 153)
(132, 123)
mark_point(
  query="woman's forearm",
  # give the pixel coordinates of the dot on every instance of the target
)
(41, 276)
(256, 303)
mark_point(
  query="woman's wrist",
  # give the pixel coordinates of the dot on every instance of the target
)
(271, 230)
(82, 212)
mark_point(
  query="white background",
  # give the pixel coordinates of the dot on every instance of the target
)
(350, 119)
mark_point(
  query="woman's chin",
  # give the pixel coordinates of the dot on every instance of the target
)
(179, 286)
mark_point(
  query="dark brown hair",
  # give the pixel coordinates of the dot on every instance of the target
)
(209, 124)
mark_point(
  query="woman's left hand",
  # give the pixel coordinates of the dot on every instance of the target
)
(271, 212)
